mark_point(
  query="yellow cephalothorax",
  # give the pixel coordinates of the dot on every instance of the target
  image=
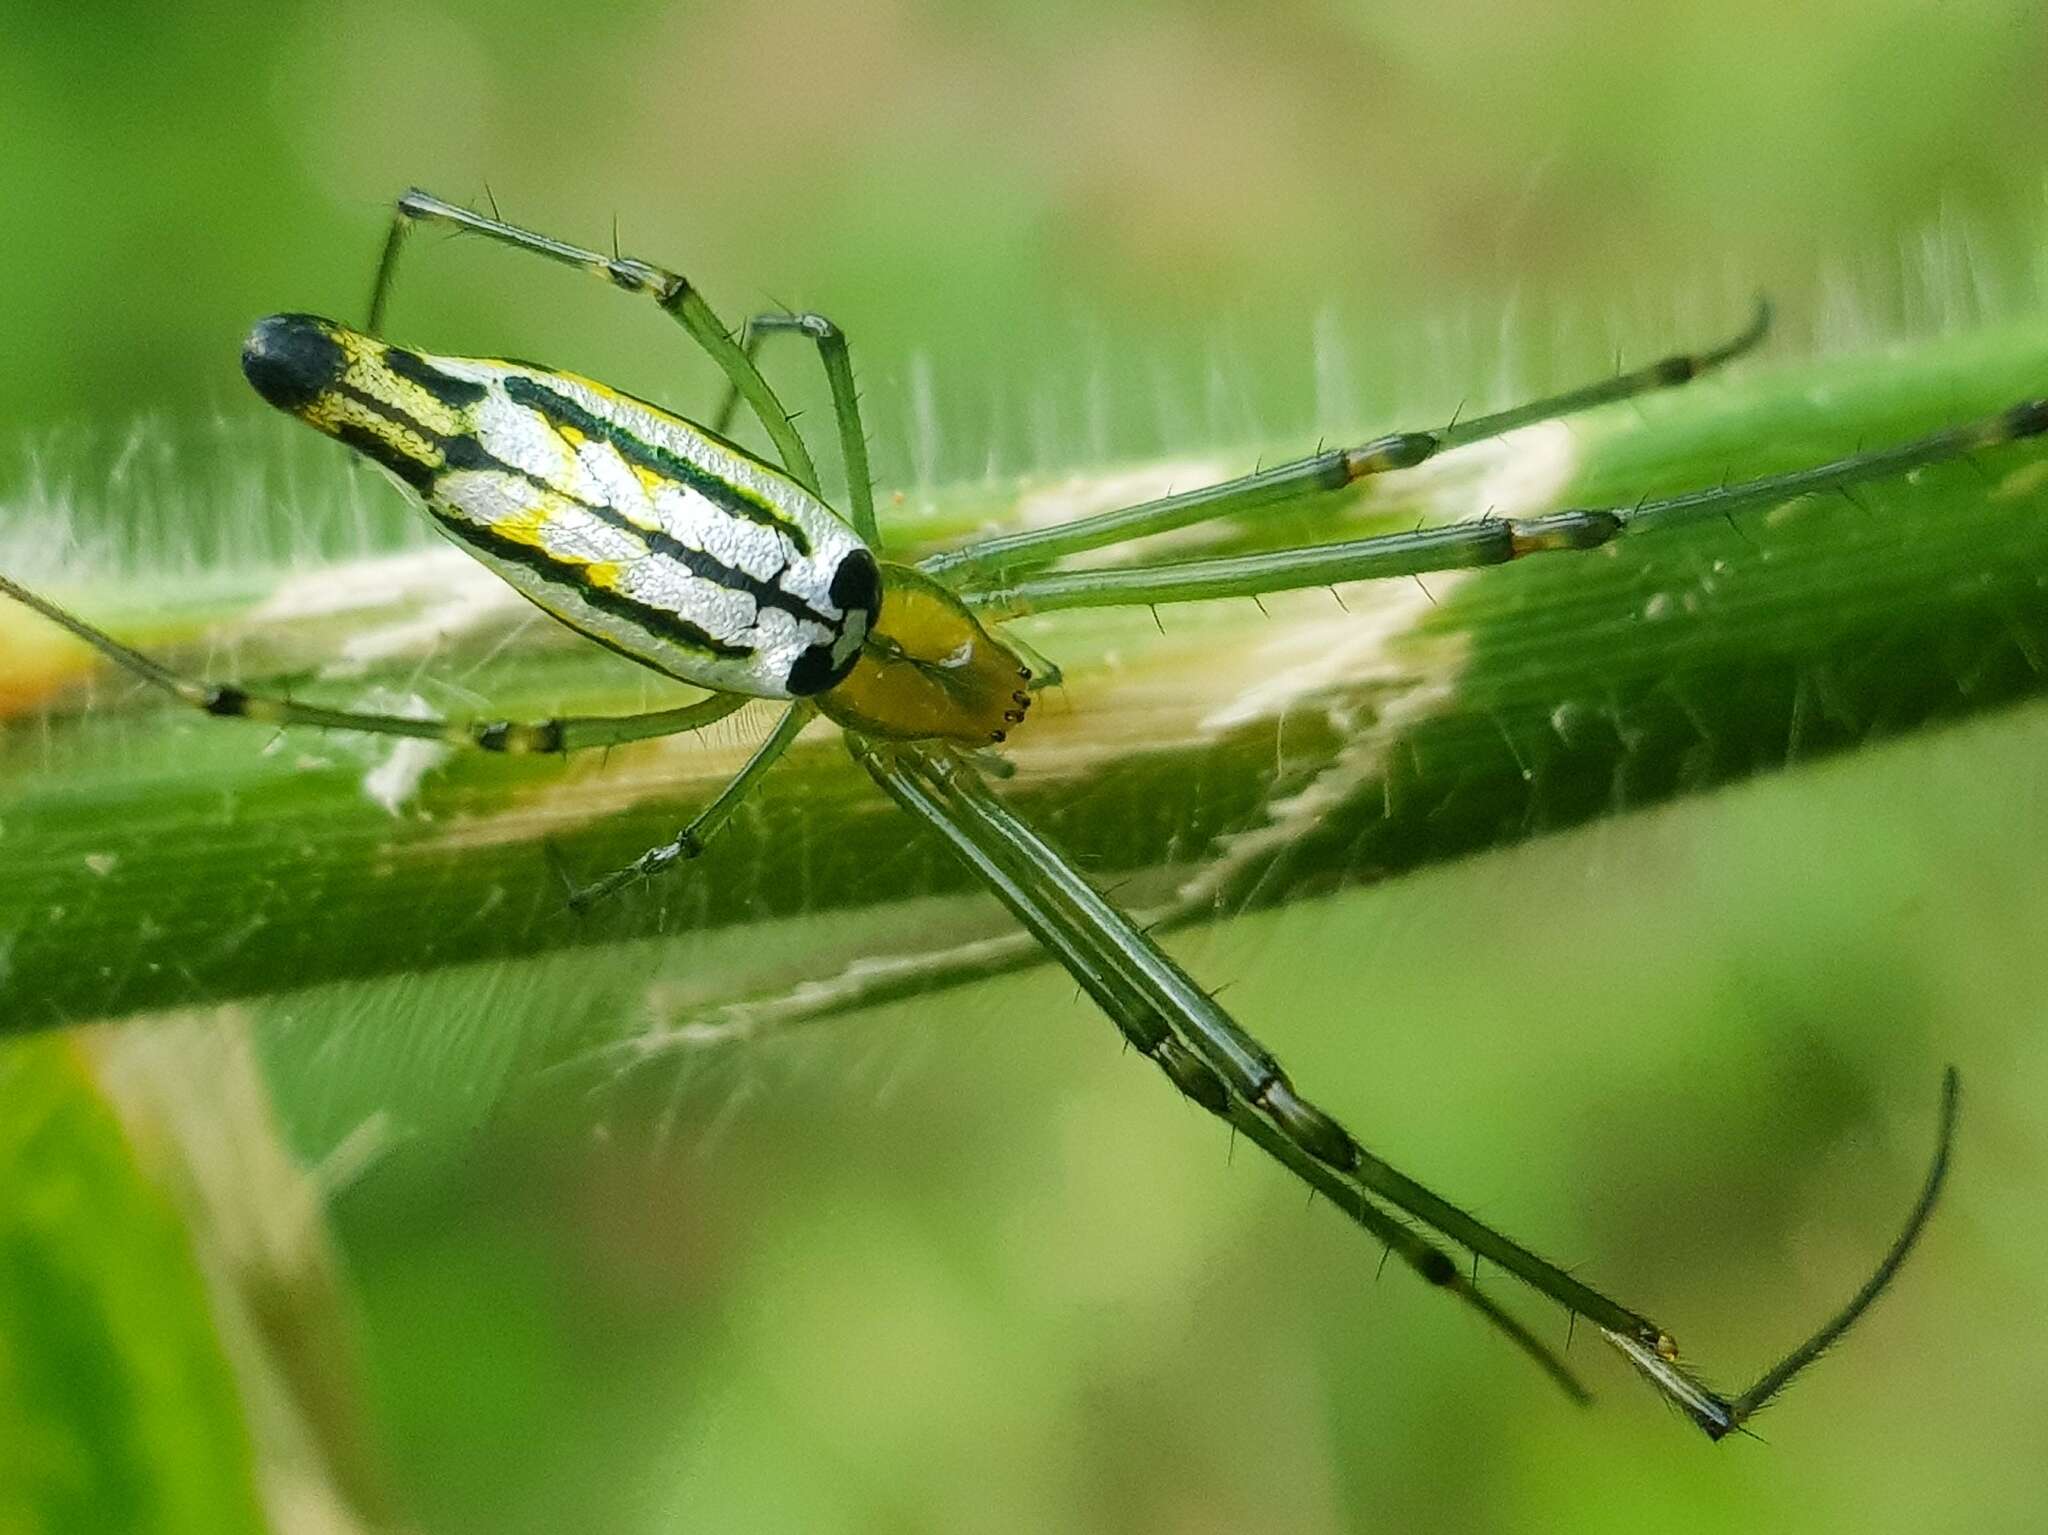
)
(929, 669)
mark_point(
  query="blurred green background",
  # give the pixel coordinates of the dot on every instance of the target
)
(956, 1265)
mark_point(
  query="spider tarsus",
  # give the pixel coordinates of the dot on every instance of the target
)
(1785, 1371)
(1655, 1354)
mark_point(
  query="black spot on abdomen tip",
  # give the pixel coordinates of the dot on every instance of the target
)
(291, 359)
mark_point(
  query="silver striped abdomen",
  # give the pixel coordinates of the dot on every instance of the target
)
(648, 533)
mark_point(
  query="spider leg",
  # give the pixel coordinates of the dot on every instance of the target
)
(721, 419)
(1490, 541)
(690, 841)
(853, 437)
(565, 733)
(1326, 471)
(1151, 1000)
(671, 292)
(1211, 1059)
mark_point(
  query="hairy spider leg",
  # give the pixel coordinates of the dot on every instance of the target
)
(689, 842)
(1209, 1058)
(838, 364)
(564, 733)
(1473, 544)
(1326, 471)
(721, 419)
(672, 293)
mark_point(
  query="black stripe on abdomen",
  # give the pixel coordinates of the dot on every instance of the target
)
(467, 452)
(659, 621)
(560, 410)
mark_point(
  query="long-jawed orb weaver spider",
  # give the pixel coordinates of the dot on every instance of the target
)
(669, 543)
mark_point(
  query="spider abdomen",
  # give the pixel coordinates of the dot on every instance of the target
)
(652, 535)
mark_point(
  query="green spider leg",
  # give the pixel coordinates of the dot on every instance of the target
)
(563, 733)
(853, 437)
(721, 419)
(1326, 471)
(1486, 541)
(671, 292)
(1209, 1058)
(690, 841)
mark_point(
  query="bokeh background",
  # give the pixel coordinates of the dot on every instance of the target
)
(956, 1265)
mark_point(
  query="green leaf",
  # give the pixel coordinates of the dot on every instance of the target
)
(176, 1353)
(118, 1407)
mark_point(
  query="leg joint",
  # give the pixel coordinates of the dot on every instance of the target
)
(1397, 450)
(1673, 371)
(517, 739)
(671, 289)
(1562, 530)
(1191, 1074)
(1308, 1126)
(636, 276)
(817, 327)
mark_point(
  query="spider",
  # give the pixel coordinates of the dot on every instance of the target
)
(668, 542)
